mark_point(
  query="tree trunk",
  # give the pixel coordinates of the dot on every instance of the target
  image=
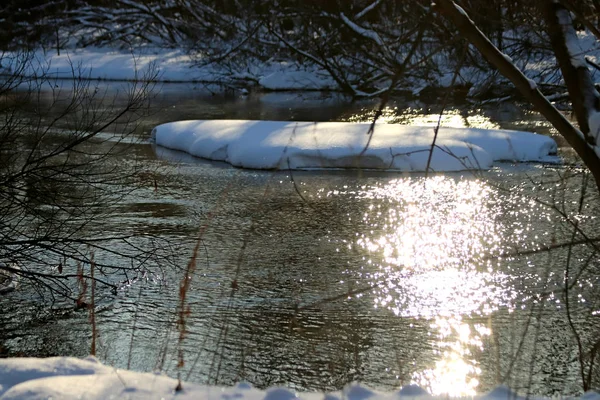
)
(528, 88)
(563, 37)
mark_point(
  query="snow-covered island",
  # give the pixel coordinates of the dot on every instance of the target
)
(323, 145)
(69, 378)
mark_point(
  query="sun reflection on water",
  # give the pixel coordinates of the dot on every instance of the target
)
(455, 373)
(418, 116)
(428, 244)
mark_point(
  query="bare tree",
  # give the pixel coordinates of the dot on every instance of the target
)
(63, 166)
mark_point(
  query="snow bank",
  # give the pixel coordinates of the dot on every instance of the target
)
(165, 65)
(321, 145)
(70, 378)
(102, 63)
(175, 65)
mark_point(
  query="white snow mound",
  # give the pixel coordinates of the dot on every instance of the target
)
(321, 145)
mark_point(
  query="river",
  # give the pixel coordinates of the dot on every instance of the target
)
(312, 280)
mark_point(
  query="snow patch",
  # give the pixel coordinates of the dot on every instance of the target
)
(362, 31)
(14, 371)
(507, 58)
(164, 65)
(173, 65)
(412, 391)
(101, 63)
(322, 145)
(571, 41)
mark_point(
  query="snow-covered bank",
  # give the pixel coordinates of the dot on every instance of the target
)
(176, 65)
(104, 63)
(163, 65)
(321, 145)
(71, 378)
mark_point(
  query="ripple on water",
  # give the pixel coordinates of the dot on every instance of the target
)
(432, 250)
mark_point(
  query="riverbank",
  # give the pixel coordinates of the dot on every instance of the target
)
(163, 65)
(168, 65)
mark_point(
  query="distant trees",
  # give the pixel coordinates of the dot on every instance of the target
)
(367, 46)
(29, 23)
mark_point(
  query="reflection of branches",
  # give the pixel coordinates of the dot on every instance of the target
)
(562, 213)
(343, 296)
(183, 309)
(542, 248)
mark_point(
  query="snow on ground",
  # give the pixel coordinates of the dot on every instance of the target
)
(175, 65)
(104, 63)
(165, 65)
(69, 378)
(322, 145)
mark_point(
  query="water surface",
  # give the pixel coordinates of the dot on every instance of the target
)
(316, 279)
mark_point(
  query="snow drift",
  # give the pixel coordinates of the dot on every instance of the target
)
(71, 378)
(322, 145)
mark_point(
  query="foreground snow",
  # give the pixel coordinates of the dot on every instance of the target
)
(321, 145)
(71, 378)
